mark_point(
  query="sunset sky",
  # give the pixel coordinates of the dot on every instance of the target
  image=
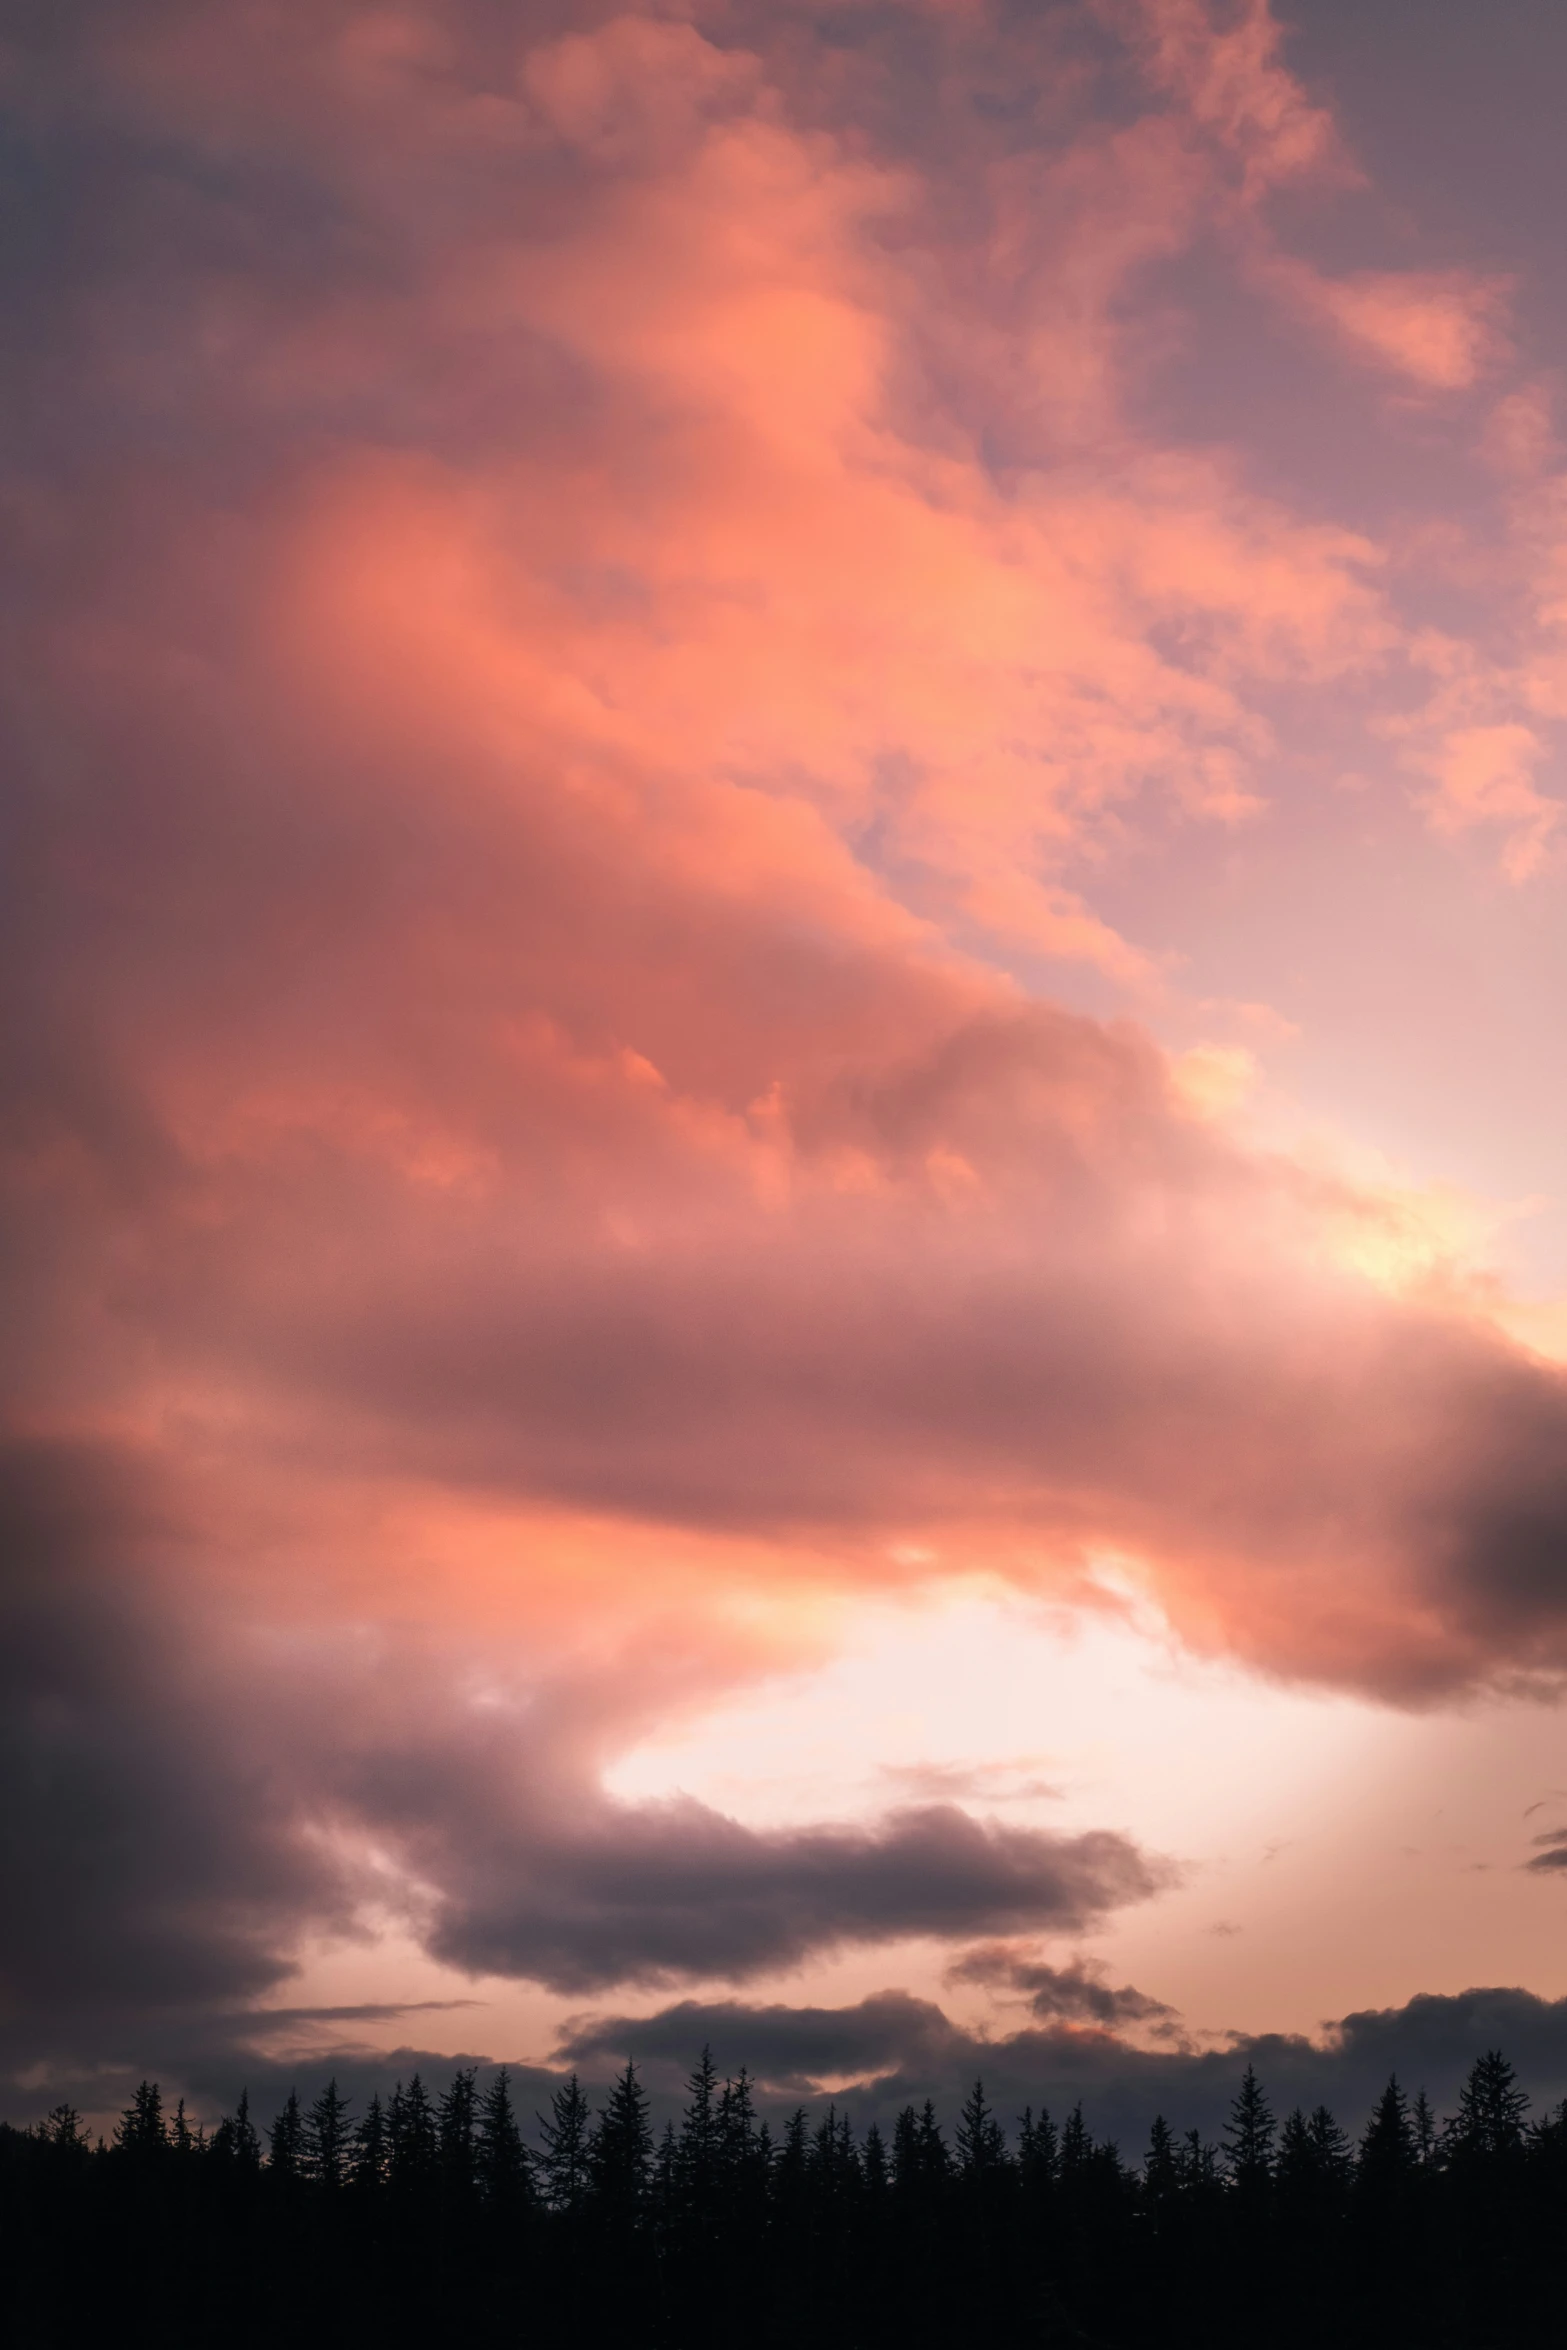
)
(785, 1175)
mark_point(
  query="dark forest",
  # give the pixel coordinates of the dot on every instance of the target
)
(438, 2218)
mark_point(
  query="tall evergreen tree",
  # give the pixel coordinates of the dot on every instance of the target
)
(286, 2141)
(62, 2129)
(666, 2182)
(1331, 2146)
(743, 2161)
(372, 2149)
(834, 2160)
(141, 2127)
(501, 2159)
(906, 2150)
(1038, 2154)
(935, 2161)
(564, 2161)
(1388, 2155)
(1249, 2135)
(620, 2153)
(1296, 2168)
(236, 2138)
(1077, 2147)
(412, 2136)
(736, 2132)
(979, 2139)
(1489, 2122)
(328, 2139)
(457, 2121)
(791, 2172)
(699, 2141)
(1161, 2165)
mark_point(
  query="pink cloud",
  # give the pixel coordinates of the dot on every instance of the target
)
(1224, 67)
(1440, 330)
(554, 719)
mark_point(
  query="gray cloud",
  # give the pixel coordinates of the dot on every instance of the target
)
(1075, 1994)
(1555, 1854)
(150, 1865)
(893, 2048)
(236, 878)
(272, 883)
(677, 1889)
(897, 2049)
(167, 1769)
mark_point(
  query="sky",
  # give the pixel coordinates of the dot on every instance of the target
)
(784, 1170)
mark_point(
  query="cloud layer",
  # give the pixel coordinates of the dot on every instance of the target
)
(591, 591)
(890, 2050)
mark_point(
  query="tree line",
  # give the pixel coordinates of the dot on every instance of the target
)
(430, 2218)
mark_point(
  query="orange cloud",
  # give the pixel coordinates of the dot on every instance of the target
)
(626, 601)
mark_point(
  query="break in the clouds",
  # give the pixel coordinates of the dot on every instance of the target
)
(591, 594)
(175, 1788)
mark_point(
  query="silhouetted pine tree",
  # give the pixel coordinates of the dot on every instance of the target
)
(412, 2138)
(737, 2130)
(1489, 2121)
(905, 2150)
(140, 2129)
(62, 2131)
(835, 2163)
(1038, 2158)
(666, 2184)
(878, 2176)
(456, 2125)
(286, 2142)
(372, 2161)
(980, 2141)
(1331, 2146)
(328, 2146)
(1199, 2161)
(620, 2155)
(1249, 2134)
(564, 2160)
(1296, 2168)
(697, 2147)
(235, 2140)
(1484, 2202)
(1388, 2156)
(1161, 2166)
(501, 2163)
(934, 2161)
(791, 2181)
(1077, 2146)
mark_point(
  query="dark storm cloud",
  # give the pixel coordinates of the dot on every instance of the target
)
(149, 1868)
(791, 2048)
